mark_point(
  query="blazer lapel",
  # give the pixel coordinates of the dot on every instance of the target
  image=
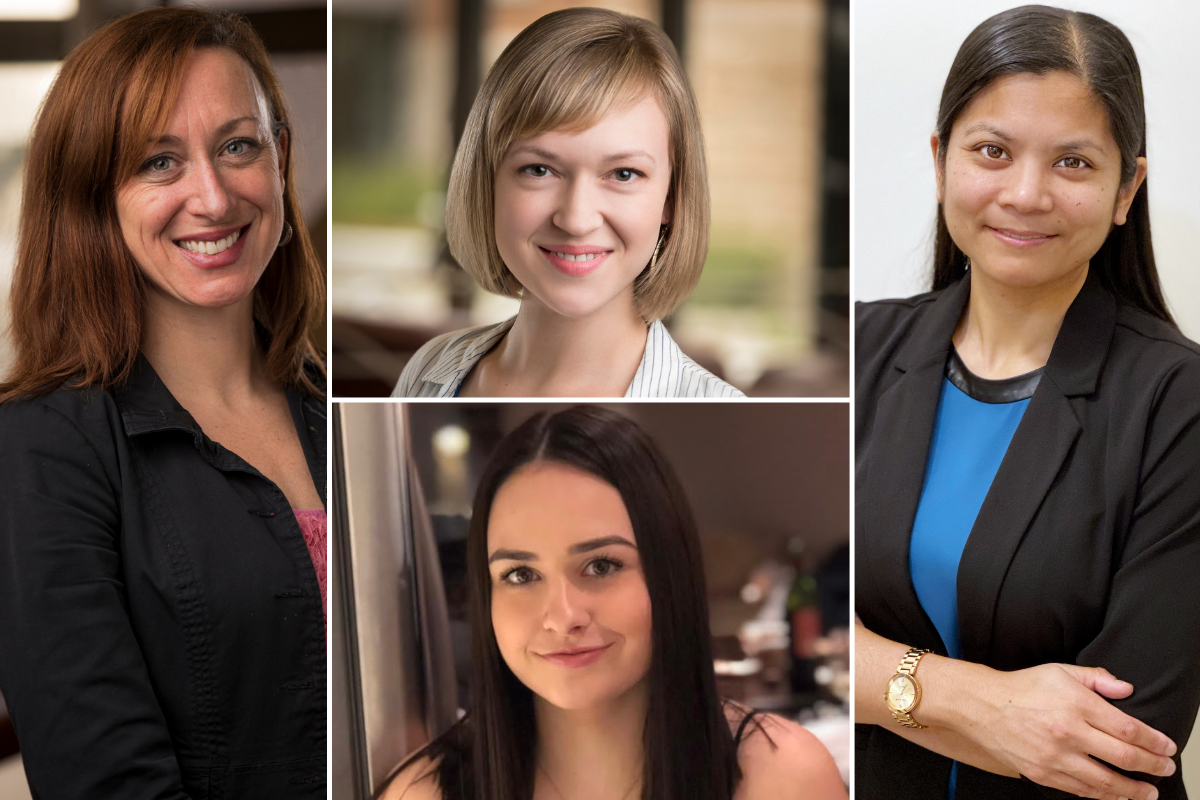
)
(895, 468)
(1040, 445)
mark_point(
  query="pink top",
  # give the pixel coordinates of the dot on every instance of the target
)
(314, 527)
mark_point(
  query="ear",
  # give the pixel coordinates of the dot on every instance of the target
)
(938, 165)
(1127, 192)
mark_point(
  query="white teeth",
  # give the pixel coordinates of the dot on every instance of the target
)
(211, 248)
(582, 257)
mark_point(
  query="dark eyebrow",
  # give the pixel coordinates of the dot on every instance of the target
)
(511, 555)
(596, 544)
(1076, 144)
(221, 131)
(504, 554)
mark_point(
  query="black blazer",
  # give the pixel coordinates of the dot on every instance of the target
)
(1087, 547)
(161, 631)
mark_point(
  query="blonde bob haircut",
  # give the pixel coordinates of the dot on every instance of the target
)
(566, 71)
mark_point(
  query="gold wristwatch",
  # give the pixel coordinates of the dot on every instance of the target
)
(902, 693)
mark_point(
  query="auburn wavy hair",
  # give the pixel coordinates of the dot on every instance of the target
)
(77, 293)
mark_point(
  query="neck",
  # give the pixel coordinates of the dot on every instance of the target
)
(1007, 331)
(595, 753)
(554, 355)
(207, 354)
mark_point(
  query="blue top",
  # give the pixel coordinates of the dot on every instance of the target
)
(976, 420)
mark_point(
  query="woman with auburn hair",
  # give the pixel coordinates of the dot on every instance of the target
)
(591, 665)
(580, 188)
(162, 487)
(1028, 450)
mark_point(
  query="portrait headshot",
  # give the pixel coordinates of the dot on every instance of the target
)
(1027, 403)
(641, 201)
(163, 418)
(540, 601)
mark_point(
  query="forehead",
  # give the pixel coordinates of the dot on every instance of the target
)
(639, 124)
(1055, 106)
(217, 85)
(546, 506)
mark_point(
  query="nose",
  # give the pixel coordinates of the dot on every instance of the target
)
(578, 212)
(208, 195)
(566, 609)
(1027, 190)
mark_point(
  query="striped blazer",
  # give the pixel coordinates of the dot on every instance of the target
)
(439, 367)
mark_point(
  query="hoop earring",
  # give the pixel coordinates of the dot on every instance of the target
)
(287, 234)
(661, 236)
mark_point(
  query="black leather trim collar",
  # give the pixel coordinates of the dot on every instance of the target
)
(987, 390)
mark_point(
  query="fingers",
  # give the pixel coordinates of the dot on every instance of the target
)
(1104, 781)
(1132, 731)
(1069, 783)
(1127, 756)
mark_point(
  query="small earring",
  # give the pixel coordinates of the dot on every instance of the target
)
(662, 235)
(287, 234)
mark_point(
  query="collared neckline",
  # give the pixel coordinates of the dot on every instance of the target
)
(482, 340)
(1079, 349)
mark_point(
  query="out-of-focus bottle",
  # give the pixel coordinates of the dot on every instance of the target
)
(804, 619)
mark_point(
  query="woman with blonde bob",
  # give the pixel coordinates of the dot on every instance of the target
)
(580, 188)
(161, 594)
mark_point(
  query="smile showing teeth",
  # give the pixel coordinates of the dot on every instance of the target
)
(580, 257)
(211, 248)
(1024, 236)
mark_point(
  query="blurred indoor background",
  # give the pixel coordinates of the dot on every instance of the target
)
(34, 37)
(768, 484)
(770, 313)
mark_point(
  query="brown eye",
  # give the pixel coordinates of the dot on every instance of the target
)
(992, 151)
(1071, 162)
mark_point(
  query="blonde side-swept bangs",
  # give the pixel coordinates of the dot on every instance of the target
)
(566, 71)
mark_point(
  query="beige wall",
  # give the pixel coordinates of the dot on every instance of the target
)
(1191, 765)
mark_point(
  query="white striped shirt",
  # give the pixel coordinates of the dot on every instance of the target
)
(439, 367)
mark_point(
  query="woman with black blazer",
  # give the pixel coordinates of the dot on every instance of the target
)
(162, 436)
(1028, 450)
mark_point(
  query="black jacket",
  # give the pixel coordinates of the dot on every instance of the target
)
(161, 631)
(1087, 547)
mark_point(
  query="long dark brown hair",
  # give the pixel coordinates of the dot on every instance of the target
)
(77, 294)
(690, 753)
(1038, 40)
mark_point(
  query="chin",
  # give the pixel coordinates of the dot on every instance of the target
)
(1021, 273)
(576, 303)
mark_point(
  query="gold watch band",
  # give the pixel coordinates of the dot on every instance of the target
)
(908, 666)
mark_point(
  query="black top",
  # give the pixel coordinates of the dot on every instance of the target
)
(1087, 547)
(161, 630)
(990, 390)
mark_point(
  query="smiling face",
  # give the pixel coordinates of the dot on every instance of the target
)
(204, 212)
(578, 212)
(570, 608)
(1031, 182)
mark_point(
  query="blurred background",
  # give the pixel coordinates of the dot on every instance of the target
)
(769, 487)
(35, 35)
(770, 313)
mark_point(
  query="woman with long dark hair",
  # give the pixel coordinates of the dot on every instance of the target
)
(1028, 450)
(162, 433)
(592, 673)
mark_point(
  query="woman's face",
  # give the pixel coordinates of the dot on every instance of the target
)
(204, 213)
(570, 608)
(578, 212)
(1032, 179)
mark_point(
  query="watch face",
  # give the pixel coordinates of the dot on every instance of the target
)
(901, 693)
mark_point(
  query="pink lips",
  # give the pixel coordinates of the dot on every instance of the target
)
(574, 658)
(222, 259)
(575, 269)
(1018, 238)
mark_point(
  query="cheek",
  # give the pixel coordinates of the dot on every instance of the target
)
(510, 624)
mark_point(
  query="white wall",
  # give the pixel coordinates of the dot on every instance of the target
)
(902, 53)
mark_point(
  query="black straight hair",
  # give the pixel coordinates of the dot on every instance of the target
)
(690, 753)
(1038, 40)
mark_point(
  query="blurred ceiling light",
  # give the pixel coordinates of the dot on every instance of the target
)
(38, 9)
(452, 441)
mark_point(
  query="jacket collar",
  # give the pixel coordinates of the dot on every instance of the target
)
(1078, 353)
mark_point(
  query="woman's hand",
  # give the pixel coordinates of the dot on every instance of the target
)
(1043, 722)
(1046, 721)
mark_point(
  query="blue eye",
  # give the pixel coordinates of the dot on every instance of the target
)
(236, 148)
(159, 164)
